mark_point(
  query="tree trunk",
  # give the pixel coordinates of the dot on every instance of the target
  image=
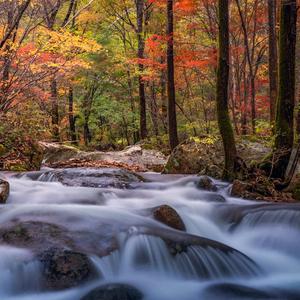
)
(141, 49)
(273, 57)
(164, 100)
(284, 129)
(72, 125)
(55, 112)
(225, 126)
(173, 135)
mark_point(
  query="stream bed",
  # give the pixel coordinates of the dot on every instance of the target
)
(230, 249)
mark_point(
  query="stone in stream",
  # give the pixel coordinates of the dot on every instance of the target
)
(63, 269)
(41, 236)
(96, 178)
(206, 183)
(169, 216)
(238, 292)
(114, 292)
(4, 191)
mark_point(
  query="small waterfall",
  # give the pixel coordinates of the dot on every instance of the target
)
(19, 272)
(145, 253)
(282, 216)
(102, 215)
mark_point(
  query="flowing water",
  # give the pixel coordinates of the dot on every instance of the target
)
(266, 264)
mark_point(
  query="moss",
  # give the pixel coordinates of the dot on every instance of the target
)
(3, 150)
(296, 193)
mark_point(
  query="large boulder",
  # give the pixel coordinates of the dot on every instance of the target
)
(90, 177)
(4, 191)
(40, 236)
(133, 158)
(114, 292)
(205, 156)
(168, 216)
(64, 269)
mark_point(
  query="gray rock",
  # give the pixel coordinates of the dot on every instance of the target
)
(206, 183)
(114, 292)
(4, 191)
(63, 269)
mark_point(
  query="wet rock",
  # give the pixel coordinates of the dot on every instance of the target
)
(41, 236)
(206, 183)
(4, 191)
(63, 269)
(213, 197)
(168, 216)
(114, 292)
(37, 236)
(204, 155)
(200, 251)
(97, 178)
(237, 292)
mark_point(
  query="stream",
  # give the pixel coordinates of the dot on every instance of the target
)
(243, 249)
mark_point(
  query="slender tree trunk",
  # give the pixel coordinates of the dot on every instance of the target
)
(273, 58)
(55, 111)
(141, 49)
(72, 125)
(154, 111)
(225, 126)
(284, 129)
(164, 100)
(173, 135)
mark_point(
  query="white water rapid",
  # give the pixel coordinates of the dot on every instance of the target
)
(266, 264)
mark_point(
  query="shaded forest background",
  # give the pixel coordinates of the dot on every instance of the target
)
(94, 73)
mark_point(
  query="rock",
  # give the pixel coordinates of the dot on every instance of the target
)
(97, 178)
(169, 216)
(4, 191)
(206, 183)
(133, 157)
(37, 236)
(237, 292)
(41, 236)
(114, 292)
(205, 156)
(63, 269)
(182, 243)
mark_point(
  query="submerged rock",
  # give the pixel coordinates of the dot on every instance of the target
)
(206, 183)
(63, 269)
(168, 216)
(41, 236)
(114, 292)
(97, 178)
(238, 292)
(4, 191)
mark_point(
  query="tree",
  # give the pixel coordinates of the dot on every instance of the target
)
(141, 49)
(173, 135)
(273, 57)
(284, 127)
(224, 122)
